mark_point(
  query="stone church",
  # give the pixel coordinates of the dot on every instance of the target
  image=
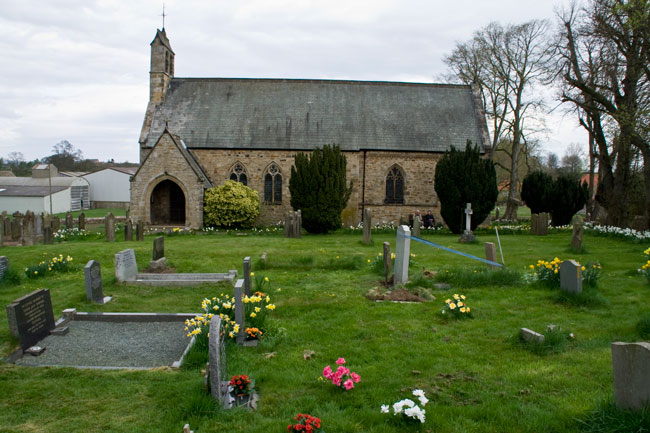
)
(199, 132)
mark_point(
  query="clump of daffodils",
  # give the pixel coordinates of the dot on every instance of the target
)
(222, 305)
(55, 264)
(457, 307)
(409, 409)
(549, 272)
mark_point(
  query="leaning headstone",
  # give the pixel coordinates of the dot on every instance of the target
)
(159, 248)
(109, 224)
(402, 255)
(139, 231)
(529, 335)
(467, 235)
(217, 378)
(239, 311)
(491, 254)
(367, 226)
(578, 232)
(55, 222)
(94, 289)
(126, 268)
(4, 265)
(247, 275)
(387, 261)
(47, 235)
(571, 276)
(31, 317)
(82, 221)
(28, 229)
(128, 230)
(69, 221)
(416, 226)
(542, 225)
(631, 367)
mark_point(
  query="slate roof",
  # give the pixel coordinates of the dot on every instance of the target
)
(236, 113)
(28, 191)
(57, 181)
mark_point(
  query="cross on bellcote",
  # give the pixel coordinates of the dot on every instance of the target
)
(163, 15)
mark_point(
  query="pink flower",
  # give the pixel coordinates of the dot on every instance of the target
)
(342, 370)
(327, 372)
(348, 384)
(340, 361)
(356, 377)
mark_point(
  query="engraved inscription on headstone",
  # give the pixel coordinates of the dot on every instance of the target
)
(158, 248)
(126, 268)
(31, 317)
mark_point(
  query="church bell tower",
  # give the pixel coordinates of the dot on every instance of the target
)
(162, 67)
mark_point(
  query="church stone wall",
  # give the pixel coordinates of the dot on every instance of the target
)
(165, 161)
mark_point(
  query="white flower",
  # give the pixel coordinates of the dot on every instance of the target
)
(420, 395)
(385, 408)
(415, 412)
(397, 407)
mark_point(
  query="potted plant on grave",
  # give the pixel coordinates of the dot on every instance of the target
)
(241, 387)
(253, 334)
(305, 423)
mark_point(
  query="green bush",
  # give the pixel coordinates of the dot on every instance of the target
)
(536, 191)
(464, 177)
(318, 187)
(567, 197)
(232, 204)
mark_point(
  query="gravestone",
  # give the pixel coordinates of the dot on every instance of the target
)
(17, 229)
(69, 221)
(367, 226)
(529, 335)
(416, 226)
(263, 258)
(217, 374)
(48, 239)
(467, 235)
(542, 225)
(55, 222)
(293, 224)
(497, 215)
(139, 231)
(534, 224)
(94, 289)
(491, 254)
(247, 276)
(571, 276)
(28, 229)
(578, 232)
(31, 317)
(387, 261)
(631, 367)
(38, 224)
(4, 265)
(402, 255)
(7, 227)
(126, 268)
(239, 311)
(158, 248)
(82, 221)
(128, 230)
(109, 224)
(2, 233)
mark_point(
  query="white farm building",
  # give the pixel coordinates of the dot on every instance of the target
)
(110, 187)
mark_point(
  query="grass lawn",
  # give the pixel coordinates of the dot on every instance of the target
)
(476, 375)
(95, 213)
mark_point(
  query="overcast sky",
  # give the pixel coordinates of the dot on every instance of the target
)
(78, 70)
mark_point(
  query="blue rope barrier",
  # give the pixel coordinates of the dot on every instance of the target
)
(489, 262)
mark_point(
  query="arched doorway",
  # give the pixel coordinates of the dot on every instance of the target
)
(167, 204)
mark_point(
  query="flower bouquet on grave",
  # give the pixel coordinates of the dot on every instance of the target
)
(305, 424)
(408, 409)
(342, 377)
(457, 307)
(241, 387)
(253, 334)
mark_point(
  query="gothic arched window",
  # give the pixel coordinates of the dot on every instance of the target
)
(238, 174)
(273, 185)
(395, 186)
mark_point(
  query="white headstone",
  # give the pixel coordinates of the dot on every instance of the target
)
(571, 276)
(402, 255)
(126, 268)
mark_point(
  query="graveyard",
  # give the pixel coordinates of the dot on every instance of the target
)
(477, 372)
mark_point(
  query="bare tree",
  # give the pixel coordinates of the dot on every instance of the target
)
(604, 75)
(506, 62)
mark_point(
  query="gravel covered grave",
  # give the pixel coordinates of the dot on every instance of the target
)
(111, 344)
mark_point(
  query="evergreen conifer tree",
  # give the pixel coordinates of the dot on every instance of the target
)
(461, 178)
(536, 191)
(318, 187)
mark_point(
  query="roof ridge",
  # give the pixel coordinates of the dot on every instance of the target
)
(325, 81)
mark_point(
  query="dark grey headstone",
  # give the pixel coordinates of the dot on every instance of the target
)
(571, 276)
(128, 230)
(82, 221)
(631, 367)
(367, 226)
(159, 248)
(47, 235)
(55, 222)
(4, 265)
(7, 228)
(109, 224)
(534, 224)
(239, 311)
(93, 275)
(28, 229)
(38, 224)
(139, 231)
(17, 229)
(31, 317)
(491, 254)
(387, 261)
(247, 276)
(126, 268)
(542, 225)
